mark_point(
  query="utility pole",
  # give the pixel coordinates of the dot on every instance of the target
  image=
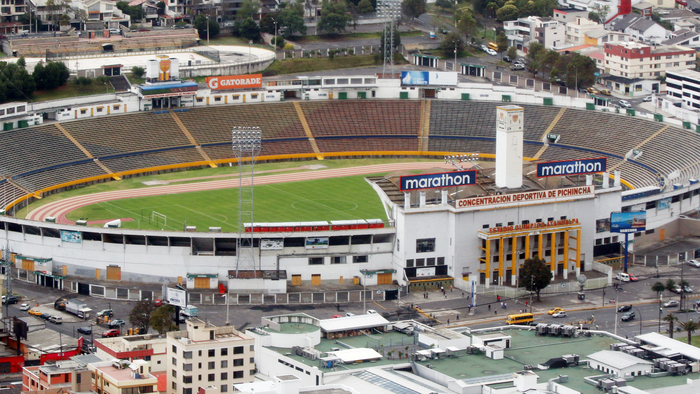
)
(207, 30)
(532, 286)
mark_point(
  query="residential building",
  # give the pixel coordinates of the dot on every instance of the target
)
(689, 24)
(150, 8)
(67, 375)
(137, 347)
(576, 31)
(123, 377)
(636, 60)
(551, 34)
(11, 10)
(104, 14)
(686, 38)
(642, 8)
(600, 37)
(641, 29)
(566, 15)
(206, 355)
(546, 31)
(685, 85)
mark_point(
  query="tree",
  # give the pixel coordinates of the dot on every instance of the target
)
(138, 71)
(599, 16)
(201, 22)
(247, 28)
(140, 315)
(533, 58)
(445, 4)
(15, 82)
(397, 39)
(670, 319)
(502, 41)
(670, 284)
(414, 8)
(581, 71)
(334, 16)
(548, 59)
(50, 75)
(292, 18)
(512, 53)
(466, 23)
(82, 16)
(162, 319)
(448, 45)
(535, 275)
(161, 7)
(267, 23)
(508, 12)
(689, 326)
(659, 288)
(365, 7)
(249, 8)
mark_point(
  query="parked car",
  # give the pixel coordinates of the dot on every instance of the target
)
(372, 312)
(633, 278)
(694, 263)
(11, 299)
(592, 90)
(335, 316)
(670, 304)
(605, 92)
(105, 312)
(484, 48)
(628, 316)
(676, 289)
(687, 289)
(555, 310)
(85, 330)
(624, 308)
(110, 333)
(517, 66)
(24, 307)
(116, 323)
(625, 104)
(349, 314)
(158, 303)
(559, 314)
(491, 52)
(34, 312)
(506, 59)
(45, 316)
(56, 319)
(443, 31)
(647, 99)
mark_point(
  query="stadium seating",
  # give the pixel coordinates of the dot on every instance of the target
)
(55, 176)
(223, 152)
(462, 145)
(9, 193)
(367, 144)
(673, 149)
(146, 160)
(363, 117)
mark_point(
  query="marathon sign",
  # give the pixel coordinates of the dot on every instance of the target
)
(235, 82)
(542, 196)
(533, 226)
(571, 167)
(435, 181)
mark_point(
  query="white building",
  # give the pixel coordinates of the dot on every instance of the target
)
(546, 31)
(576, 31)
(636, 60)
(641, 29)
(620, 364)
(685, 85)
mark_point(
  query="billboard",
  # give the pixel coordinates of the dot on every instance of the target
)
(271, 244)
(437, 180)
(75, 237)
(628, 222)
(176, 297)
(234, 82)
(571, 167)
(428, 78)
(317, 243)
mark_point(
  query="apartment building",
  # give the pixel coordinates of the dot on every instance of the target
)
(123, 377)
(636, 60)
(151, 348)
(546, 31)
(67, 375)
(11, 10)
(685, 85)
(204, 355)
(576, 31)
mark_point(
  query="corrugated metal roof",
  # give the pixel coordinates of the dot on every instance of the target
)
(357, 322)
(657, 339)
(617, 360)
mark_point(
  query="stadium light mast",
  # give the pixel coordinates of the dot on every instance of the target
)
(246, 143)
(390, 11)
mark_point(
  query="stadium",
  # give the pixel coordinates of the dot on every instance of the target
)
(360, 222)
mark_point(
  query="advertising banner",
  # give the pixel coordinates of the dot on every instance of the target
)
(317, 243)
(571, 167)
(177, 297)
(75, 237)
(235, 82)
(664, 203)
(628, 222)
(271, 244)
(434, 181)
(425, 271)
(428, 78)
(547, 196)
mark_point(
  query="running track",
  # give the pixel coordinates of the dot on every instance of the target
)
(59, 209)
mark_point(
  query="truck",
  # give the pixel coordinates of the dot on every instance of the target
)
(188, 311)
(78, 308)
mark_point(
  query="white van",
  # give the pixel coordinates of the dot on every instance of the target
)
(623, 277)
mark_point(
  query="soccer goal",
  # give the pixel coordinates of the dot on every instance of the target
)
(158, 218)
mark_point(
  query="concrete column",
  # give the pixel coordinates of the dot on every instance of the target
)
(578, 252)
(443, 196)
(501, 260)
(567, 239)
(589, 180)
(514, 260)
(553, 253)
(606, 180)
(487, 260)
(617, 178)
(407, 201)
(422, 199)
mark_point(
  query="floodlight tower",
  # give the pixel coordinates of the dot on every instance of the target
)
(246, 143)
(390, 11)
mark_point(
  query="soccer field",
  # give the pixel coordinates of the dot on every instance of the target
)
(343, 198)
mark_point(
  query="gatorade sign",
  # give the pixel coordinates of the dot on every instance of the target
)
(235, 82)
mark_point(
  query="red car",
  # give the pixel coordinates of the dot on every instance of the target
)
(632, 277)
(110, 333)
(158, 302)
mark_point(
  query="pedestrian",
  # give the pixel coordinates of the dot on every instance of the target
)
(489, 306)
(462, 294)
(495, 312)
(451, 287)
(445, 296)
(498, 298)
(526, 303)
(448, 322)
(431, 324)
(411, 305)
(458, 316)
(505, 305)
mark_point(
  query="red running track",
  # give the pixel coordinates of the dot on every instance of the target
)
(59, 209)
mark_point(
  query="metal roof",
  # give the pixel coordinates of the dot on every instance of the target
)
(617, 360)
(657, 339)
(357, 322)
(354, 355)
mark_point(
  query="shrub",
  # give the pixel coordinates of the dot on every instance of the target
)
(138, 71)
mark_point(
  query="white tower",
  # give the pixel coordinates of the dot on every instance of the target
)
(509, 146)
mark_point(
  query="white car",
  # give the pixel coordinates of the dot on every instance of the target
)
(491, 52)
(671, 303)
(24, 307)
(647, 99)
(484, 48)
(348, 314)
(694, 263)
(372, 312)
(559, 314)
(625, 104)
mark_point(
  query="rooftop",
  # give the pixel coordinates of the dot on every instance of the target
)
(657, 339)
(617, 359)
(357, 322)
(124, 375)
(293, 328)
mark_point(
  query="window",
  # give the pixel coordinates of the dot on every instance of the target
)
(440, 261)
(430, 261)
(238, 362)
(254, 96)
(252, 348)
(116, 107)
(186, 367)
(420, 262)
(174, 386)
(360, 259)
(315, 260)
(217, 98)
(224, 351)
(238, 374)
(212, 352)
(187, 391)
(224, 364)
(238, 350)
(99, 109)
(211, 365)
(187, 355)
(174, 361)
(409, 263)
(200, 99)
(224, 376)
(78, 378)
(252, 360)
(425, 245)
(187, 379)
(223, 388)
(211, 377)
(174, 373)
(338, 260)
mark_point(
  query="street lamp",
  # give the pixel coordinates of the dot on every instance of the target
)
(275, 45)
(249, 57)
(640, 319)
(207, 30)
(454, 68)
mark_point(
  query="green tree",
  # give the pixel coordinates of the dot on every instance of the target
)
(292, 18)
(15, 82)
(140, 315)
(334, 16)
(512, 53)
(249, 8)
(508, 12)
(138, 71)
(445, 4)
(689, 326)
(656, 17)
(161, 7)
(670, 319)
(545, 7)
(447, 46)
(658, 288)
(397, 39)
(365, 6)
(502, 41)
(200, 23)
(599, 15)
(51, 75)
(466, 23)
(581, 71)
(162, 319)
(267, 23)
(535, 275)
(414, 8)
(670, 284)
(548, 59)
(247, 28)
(534, 57)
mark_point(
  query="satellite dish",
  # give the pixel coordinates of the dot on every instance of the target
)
(581, 279)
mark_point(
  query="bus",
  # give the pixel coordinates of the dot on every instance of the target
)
(494, 46)
(520, 318)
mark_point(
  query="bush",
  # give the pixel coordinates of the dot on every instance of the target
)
(279, 43)
(82, 81)
(138, 71)
(351, 51)
(288, 47)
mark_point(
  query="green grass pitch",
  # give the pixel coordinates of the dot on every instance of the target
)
(343, 198)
